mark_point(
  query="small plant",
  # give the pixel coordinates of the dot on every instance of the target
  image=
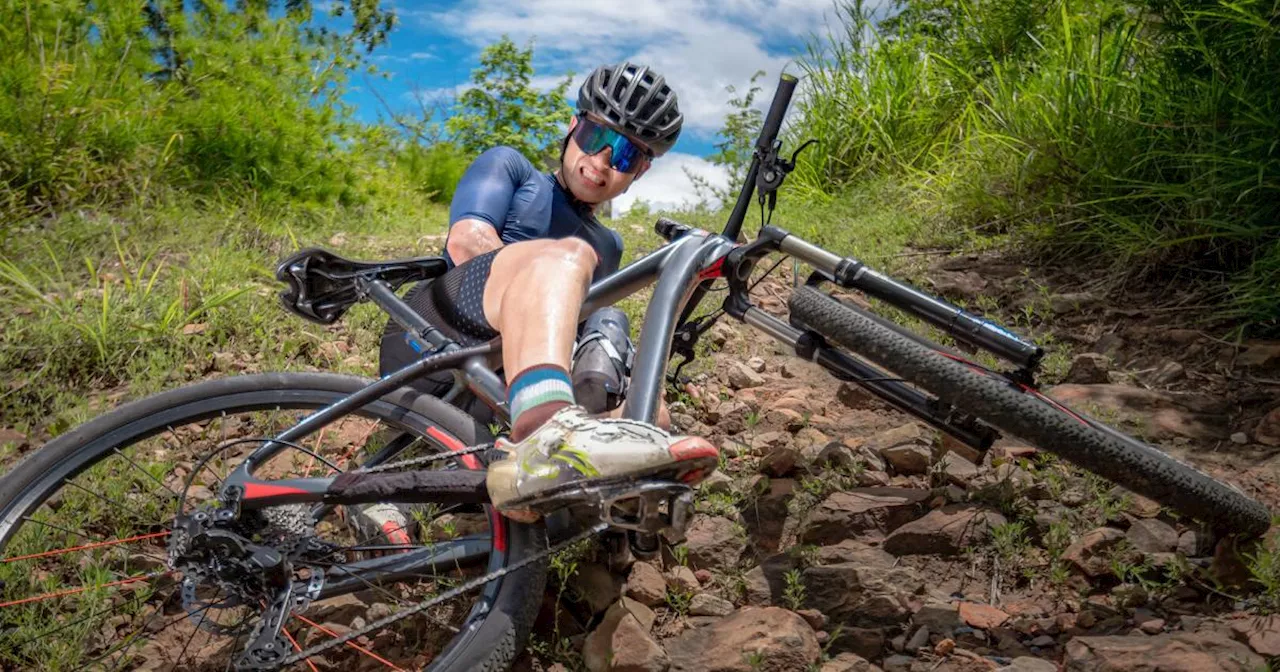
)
(734, 581)
(1264, 568)
(794, 593)
(720, 504)
(754, 659)
(806, 555)
(678, 599)
(1009, 541)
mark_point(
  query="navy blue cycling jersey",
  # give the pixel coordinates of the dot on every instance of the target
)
(503, 188)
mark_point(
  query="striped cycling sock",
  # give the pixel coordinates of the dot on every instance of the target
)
(535, 395)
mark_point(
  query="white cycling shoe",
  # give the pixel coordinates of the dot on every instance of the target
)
(573, 450)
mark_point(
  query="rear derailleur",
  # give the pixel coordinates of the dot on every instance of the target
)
(216, 551)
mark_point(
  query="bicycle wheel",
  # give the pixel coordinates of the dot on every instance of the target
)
(84, 525)
(1029, 415)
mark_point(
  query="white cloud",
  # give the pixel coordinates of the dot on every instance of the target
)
(667, 187)
(447, 94)
(422, 56)
(700, 46)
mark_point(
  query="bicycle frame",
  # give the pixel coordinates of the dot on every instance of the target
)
(680, 271)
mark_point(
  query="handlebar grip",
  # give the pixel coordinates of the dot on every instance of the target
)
(670, 229)
(773, 120)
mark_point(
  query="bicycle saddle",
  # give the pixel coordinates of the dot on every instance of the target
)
(322, 285)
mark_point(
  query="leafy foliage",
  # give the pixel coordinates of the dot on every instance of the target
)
(734, 151)
(1140, 131)
(504, 108)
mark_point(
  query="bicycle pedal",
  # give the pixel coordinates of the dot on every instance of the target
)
(652, 507)
(649, 508)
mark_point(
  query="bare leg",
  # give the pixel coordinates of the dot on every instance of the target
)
(534, 298)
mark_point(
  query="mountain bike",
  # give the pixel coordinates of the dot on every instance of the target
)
(227, 524)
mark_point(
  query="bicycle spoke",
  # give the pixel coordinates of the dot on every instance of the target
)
(360, 443)
(194, 631)
(129, 641)
(50, 633)
(353, 645)
(296, 647)
(172, 494)
(76, 591)
(114, 503)
(94, 590)
(101, 544)
(102, 541)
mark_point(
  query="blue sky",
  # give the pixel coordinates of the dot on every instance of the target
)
(701, 46)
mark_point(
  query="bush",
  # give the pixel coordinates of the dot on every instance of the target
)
(107, 100)
(1139, 132)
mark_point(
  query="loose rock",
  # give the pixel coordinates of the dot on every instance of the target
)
(845, 515)
(959, 470)
(1091, 553)
(682, 578)
(1029, 664)
(706, 604)
(1261, 633)
(780, 461)
(1268, 430)
(622, 642)
(1088, 368)
(860, 596)
(1152, 536)
(646, 585)
(918, 641)
(939, 617)
(848, 662)
(982, 616)
(741, 377)
(1180, 652)
(753, 639)
(714, 542)
(909, 458)
(944, 531)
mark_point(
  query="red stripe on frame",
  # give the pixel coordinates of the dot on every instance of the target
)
(454, 445)
(259, 490)
(496, 521)
(715, 270)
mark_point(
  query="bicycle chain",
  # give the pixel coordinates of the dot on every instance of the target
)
(423, 460)
(445, 596)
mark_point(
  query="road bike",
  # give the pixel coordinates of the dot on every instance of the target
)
(227, 525)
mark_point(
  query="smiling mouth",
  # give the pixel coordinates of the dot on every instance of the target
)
(591, 175)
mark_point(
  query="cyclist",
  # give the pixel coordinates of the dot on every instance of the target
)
(523, 248)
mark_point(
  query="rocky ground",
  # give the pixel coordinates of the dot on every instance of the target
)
(842, 536)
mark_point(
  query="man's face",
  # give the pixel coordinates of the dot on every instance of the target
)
(590, 177)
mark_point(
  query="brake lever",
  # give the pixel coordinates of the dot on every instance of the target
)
(685, 339)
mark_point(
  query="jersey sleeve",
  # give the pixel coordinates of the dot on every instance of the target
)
(488, 185)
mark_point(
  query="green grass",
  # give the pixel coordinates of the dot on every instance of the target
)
(139, 300)
(1137, 137)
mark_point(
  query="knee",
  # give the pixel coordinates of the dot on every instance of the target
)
(568, 257)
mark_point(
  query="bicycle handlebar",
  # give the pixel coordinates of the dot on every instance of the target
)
(764, 143)
(773, 121)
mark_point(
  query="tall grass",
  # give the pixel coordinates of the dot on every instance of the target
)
(1143, 133)
(109, 103)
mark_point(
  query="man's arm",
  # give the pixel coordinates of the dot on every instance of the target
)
(469, 238)
(481, 202)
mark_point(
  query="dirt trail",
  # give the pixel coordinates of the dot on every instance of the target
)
(841, 535)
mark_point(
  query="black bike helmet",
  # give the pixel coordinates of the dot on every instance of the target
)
(635, 100)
